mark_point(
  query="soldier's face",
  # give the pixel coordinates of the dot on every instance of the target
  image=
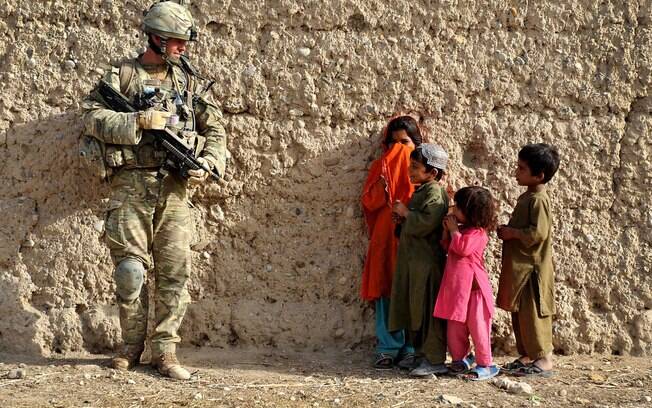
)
(175, 47)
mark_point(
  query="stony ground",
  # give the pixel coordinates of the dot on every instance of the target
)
(240, 378)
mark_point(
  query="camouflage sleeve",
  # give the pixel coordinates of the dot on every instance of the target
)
(208, 125)
(107, 125)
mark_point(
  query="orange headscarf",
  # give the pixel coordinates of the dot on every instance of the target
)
(392, 167)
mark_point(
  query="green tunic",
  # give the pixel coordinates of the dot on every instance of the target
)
(529, 258)
(419, 270)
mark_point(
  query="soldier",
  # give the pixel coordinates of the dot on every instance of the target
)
(147, 225)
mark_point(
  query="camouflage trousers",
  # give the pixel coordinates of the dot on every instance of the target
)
(149, 221)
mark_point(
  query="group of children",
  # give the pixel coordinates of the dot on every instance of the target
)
(425, 263)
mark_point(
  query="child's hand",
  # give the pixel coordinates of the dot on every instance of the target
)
(400, 209)
(450, 223)
(507, 233)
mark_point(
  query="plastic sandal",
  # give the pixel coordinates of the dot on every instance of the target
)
(514, 365)
(408, 361)
(481, 373)
(461, 366)
(384, 361)
(533, 370)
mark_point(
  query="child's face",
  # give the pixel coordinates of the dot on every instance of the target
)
(458, 214)
(418, 174)
(401, 136)
(524, 176)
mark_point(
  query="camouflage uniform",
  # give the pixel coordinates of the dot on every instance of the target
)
(148, 222)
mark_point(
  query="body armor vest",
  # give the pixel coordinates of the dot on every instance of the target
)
(172, 94)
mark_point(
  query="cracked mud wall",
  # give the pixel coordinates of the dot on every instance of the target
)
(305, 88)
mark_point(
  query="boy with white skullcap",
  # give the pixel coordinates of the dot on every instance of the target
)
(421, 260)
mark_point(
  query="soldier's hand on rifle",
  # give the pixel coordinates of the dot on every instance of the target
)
(153, 119)
(198, 176)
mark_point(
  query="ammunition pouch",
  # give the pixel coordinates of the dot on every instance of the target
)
(92, 157)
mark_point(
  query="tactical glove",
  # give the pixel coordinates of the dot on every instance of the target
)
(153, 119)
(198, 176)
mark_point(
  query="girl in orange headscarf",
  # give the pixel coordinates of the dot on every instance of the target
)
(387, 182)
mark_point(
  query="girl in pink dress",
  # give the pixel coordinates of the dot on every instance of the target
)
(465, 297)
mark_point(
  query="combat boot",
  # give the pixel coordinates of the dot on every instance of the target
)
(128, 357)
(167, 364)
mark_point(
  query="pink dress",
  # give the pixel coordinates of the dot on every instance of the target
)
(464, 264)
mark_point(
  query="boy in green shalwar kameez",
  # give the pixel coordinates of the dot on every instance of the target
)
(526, 286)
(420, 261)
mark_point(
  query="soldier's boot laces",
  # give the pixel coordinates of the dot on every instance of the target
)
(128, 358)
(168, 365)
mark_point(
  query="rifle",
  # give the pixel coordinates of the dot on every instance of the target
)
(180, 155)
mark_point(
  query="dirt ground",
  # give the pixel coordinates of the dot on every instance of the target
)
(242, 378)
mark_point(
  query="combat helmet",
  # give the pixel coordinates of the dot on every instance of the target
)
(169, 19)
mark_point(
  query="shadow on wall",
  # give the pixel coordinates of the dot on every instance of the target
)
(276, 261)
(50, 243)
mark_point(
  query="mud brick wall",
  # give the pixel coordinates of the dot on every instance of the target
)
(306, 87)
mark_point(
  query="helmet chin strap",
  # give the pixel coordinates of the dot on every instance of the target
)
(160, 50)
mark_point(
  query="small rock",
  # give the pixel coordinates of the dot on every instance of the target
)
(513, 387)
(489, 404)
(206, 255)
(450, 399)
(268, 268)
(303, 51)
(69, 65)
(227, 389)
(349, 212)
(337, 401)
(343, 280)
(130, 381)
(562, 393)
(16, 374)
(22, 365)
(296, 112)
(647, 398)
(99, 225)
(216, 212)
(639, 383)
(87, 376)
(198, 396)
(31, 63)
(250, 278)
(249, 71)
(339, 333)
(520, 388)
(81, 383)
(29, 243)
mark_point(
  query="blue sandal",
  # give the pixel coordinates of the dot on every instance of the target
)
(482, 373)
(462, 366)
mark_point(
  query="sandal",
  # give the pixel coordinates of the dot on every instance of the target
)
(514, 365)
(482, 373)
(462, 366)
(384, 361)
(533, 370)
(408, 361)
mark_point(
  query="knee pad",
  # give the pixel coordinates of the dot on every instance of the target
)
(129, 276)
